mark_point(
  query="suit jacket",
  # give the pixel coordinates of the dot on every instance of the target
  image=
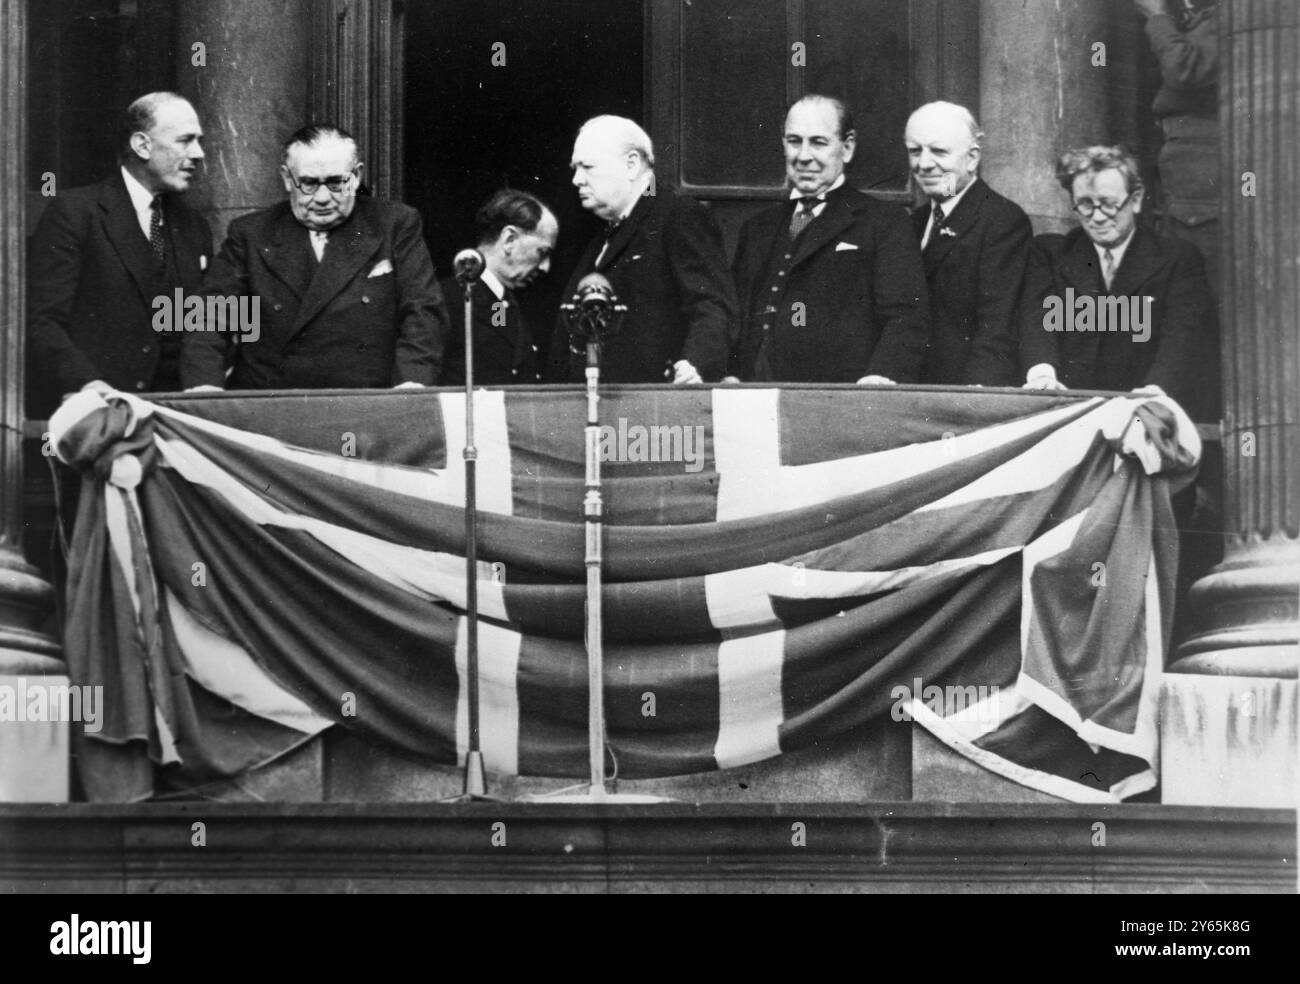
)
(1180, 356)
(504, 352)
(856, 269)
(370, 314)
(92, 279)
(975, 278)
(667, 263)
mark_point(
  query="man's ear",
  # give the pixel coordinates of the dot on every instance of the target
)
(284, 176)
(1137, 200)
(850, 145)
(140, 144)
(508, 236)
(361, 173)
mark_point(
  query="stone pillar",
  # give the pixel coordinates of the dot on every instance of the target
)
(249, 83)
(33, 759)
(1239, 665)
(1040, 94)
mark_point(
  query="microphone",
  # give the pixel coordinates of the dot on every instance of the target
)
(593, 312)
(595, 294)
(469, 264)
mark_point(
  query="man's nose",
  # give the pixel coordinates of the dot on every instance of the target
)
(926, 160)
(196, 151)
(316, 195)
(577, 179)
(545, 265)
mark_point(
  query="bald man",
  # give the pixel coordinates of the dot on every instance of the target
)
(665, 259)
(975, 246)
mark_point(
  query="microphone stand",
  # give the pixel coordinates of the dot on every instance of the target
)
(596, 322)
(469, 264)
(475, 780)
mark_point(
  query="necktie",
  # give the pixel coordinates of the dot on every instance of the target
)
(938, 222)
(318, 241)
(155, 227)
(609, 234)
(1108, 267)
(803, 214)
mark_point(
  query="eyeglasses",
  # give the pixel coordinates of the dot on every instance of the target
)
(1086, 207)
(336, 184)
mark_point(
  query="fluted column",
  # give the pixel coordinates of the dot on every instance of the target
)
(1229, 720)
(33, 756)
(1250, 604)
(1040, 94)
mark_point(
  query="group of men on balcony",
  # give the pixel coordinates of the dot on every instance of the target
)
(830, 286)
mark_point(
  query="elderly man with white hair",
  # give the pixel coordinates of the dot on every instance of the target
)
(975, 246)
(664, 256)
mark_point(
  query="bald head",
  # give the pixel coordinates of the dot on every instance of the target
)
(943, 148)
(612, 165)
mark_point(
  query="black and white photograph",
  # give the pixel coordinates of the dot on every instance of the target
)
(650, 447)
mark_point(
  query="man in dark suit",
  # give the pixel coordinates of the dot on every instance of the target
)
(831, 286)
(975, 245)
(102, 254)
(516, 235)
(1112, 305)
(664, 257)
(344, 289)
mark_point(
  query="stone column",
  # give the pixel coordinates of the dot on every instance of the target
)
(33, 758)
(1040, 94)
(1236, 674)
(249, 84)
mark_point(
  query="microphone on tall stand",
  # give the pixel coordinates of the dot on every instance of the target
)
(469, 266)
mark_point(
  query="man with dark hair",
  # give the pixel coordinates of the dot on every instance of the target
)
(516, 235)
(975, 245)
(831, 289)
(102, 254)
(664, 257)
(345, 292)
(1112, 305)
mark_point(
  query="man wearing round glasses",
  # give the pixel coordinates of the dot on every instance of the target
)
(1111, 305)
(345, 288)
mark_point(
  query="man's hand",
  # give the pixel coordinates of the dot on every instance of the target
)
(409, 384)
(1042, 377)
(684, 372)
(874, 380)
(205, 388)
(1150, 8)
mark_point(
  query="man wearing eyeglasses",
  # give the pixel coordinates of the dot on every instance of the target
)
(1111, 305)
(345, 288)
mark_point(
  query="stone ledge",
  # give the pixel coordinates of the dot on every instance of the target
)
(874, 847)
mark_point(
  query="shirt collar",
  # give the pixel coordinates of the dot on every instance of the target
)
(141, 197)
(1116, 252)
(493, 283)
(948, 204)
(796, 193)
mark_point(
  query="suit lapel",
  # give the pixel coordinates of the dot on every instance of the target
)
(185, 248)
(960, 222)
(1082, 268)
(123, 230)
(837, 216)
(348, 249)
(624, 233)
(288, 254)
(1141, 260)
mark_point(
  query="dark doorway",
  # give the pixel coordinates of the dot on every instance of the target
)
(472, 127)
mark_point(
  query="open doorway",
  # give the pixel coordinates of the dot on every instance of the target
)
(494, 93)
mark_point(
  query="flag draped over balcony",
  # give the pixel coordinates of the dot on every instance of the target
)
(781, 566)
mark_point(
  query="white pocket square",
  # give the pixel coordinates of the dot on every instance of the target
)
(203, 261)
(839, 247)
(381, 268)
